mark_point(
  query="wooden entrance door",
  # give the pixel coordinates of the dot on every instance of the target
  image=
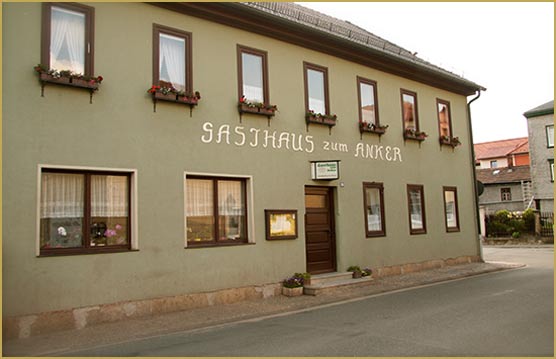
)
(320, 234)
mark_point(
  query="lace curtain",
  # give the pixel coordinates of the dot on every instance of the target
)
(172, 61)
(62, 196)
(67, 40)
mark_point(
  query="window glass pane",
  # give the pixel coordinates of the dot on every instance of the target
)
(315, 83)
(550, 136)
(199, 210)
(252, 71)
(374, 220)
(315, 201)
(367, 103)
(109, 210)
(172, 62)
(231, 210)
(409, 116)
(67, 40)
(415, 209)
(444, 119)
(61, 210)
(451, 214)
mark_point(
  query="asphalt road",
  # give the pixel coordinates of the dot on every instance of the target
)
(500, 314)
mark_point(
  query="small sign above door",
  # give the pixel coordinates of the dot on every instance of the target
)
(325, 170)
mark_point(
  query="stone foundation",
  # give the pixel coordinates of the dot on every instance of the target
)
(79, 318)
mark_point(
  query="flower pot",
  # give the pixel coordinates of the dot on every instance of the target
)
(357, 274)
(292, 292)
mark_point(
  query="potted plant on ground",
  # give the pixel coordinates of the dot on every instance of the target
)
(366, 272)
(293, 286)
(356, 271)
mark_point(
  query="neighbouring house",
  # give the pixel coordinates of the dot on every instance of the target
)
(200, 153)
(507, 188)
(502, 153)
(540, 126)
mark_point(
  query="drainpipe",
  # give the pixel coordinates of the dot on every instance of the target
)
(476, 197)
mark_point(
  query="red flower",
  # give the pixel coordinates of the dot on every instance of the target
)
(99, 79)
(242, 99)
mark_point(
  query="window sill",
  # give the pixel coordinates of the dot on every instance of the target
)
(375, 234)
(194, 245)
(74, 252)
(419, 138)
(90, 85)
(190, 101)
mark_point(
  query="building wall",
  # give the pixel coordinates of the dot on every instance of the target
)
(120, 130)
(540, 153)
(501, 161)
(491, 198)
(521, 160)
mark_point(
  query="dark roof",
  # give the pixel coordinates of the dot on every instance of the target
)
(544, 109)
(501, 148)
(350, 32)
(504, 175)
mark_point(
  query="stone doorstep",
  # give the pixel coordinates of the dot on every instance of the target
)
(329, 277)
(340, 281)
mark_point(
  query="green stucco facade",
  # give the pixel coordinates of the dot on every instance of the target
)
(120, 130)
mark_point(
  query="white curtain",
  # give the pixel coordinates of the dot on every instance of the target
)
(172, 60)
(67, 40)
(416, 210)
(62, 195)
(230, 198)
(373, 210)
(252, 71)
(109, 196)
(199, 200)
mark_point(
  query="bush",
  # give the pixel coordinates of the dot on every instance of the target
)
(516, 235)
(529, 220)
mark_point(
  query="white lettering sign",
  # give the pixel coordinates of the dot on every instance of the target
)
(253, 137)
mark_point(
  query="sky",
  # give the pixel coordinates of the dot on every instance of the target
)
(506, 47)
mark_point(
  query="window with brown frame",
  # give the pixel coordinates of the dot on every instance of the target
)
(84, 212)
(172, 58)
(505, 194)
(373, 198)
(316, 89)
(451, 211)
(67, 37)
(368, 105)
(416, 209)
(444, 118)
(410, 114)
(216, 211)
(253, 75)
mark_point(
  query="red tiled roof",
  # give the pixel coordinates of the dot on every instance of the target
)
(504, 175)
(502, 148)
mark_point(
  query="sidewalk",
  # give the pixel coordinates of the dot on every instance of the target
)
(56, 344)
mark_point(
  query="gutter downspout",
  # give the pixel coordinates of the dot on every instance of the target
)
(476, 197)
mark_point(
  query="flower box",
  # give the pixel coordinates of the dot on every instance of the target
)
(165, 96)
(372, 128)
(292, 292)
(329, 120)
(170, 94)
(449, 141)
(410, 134)
(67, 78)
(257, 110)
